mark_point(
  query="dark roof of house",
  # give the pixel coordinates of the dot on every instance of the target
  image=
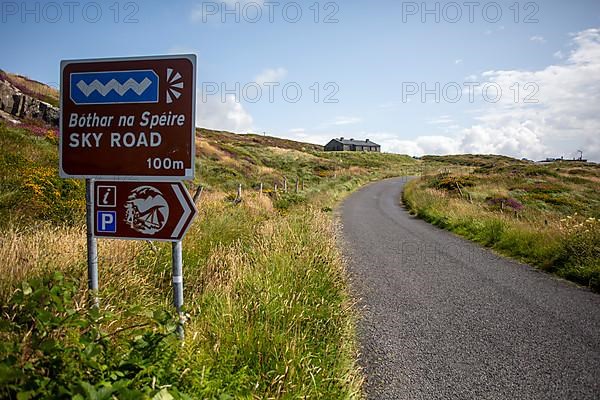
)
(356, 142)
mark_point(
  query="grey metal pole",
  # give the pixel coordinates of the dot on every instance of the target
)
(92, 248)
(177, 252)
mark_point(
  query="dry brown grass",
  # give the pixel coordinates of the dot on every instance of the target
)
(266, 171)
(28, 253)
(25, 254)
(254, 281)
(258, 204)
(206, 149)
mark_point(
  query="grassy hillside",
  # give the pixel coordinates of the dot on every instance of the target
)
(547, 215)
(265, 289)
(32, 87)
(473, 160)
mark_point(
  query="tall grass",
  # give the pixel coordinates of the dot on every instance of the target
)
(265, 293)
(43, 249)
(265, 290)
(567, 247)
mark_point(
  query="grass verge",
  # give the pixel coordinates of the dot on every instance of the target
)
(265, 290)
(505, 212)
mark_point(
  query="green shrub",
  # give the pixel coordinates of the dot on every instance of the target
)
(286, 200)
(579, 259)
(491, 232)
(52, 349)
(451, 183)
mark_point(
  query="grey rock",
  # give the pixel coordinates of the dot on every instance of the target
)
(18, 104)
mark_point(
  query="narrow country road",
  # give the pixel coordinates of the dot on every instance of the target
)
(443, 318)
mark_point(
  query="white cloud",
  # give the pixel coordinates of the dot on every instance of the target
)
(459, 61)
(559, 54)
(300, 135)
(564, 119)
(538, 39)
(345, 121)
(216, 114)
(419, 146)
(271, 75)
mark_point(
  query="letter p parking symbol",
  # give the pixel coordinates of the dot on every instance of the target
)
(106, 221)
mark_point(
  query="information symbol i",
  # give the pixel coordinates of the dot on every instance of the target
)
(107, 196)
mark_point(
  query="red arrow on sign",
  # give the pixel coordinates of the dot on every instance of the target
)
(142, 210)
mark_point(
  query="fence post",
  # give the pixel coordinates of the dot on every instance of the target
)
(260, 190)
(297, 185)
(239, 193)
(285, 184)
(303, 185)
(198, 194)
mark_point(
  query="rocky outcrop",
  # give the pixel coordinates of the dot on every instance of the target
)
(23, 106)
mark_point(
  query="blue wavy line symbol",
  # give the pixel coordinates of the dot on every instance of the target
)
(114, 87)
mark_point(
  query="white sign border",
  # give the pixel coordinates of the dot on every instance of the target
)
(189, 173)
(194, 211)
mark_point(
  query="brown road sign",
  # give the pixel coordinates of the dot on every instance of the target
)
(142, 210)
(130, 118)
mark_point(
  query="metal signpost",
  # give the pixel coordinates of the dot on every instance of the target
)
(124, 121)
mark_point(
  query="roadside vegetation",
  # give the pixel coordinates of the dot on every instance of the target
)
(546, 215)
(269, 315)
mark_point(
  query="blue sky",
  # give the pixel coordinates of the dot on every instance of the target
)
(367, 58)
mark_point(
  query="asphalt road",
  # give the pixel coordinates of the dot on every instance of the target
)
(443, 318)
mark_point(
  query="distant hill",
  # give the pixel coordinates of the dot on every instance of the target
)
(475, 160)
(31, 187)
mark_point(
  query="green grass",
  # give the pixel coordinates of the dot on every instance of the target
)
(547, 218)
(265, 287)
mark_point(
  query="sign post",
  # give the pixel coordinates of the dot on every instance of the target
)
(127, 126)
(92, 247)
(177, 254)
